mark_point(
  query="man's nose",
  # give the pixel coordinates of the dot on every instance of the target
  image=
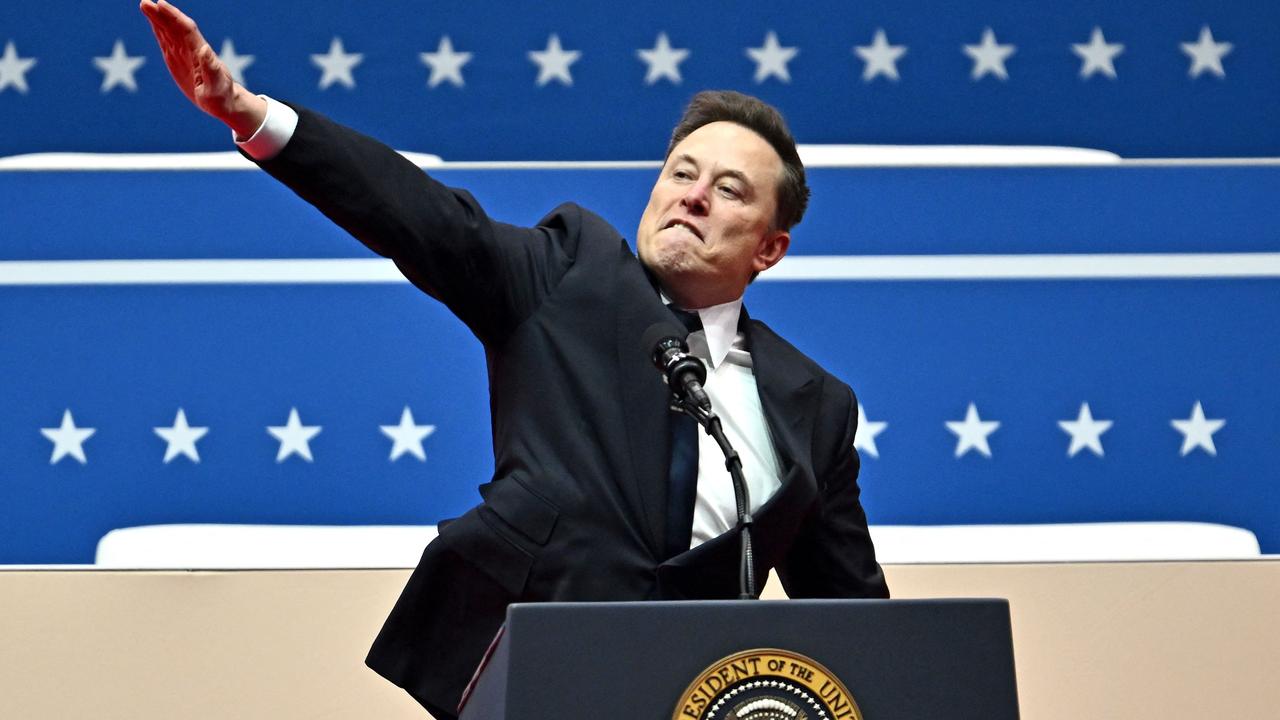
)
(695, 199)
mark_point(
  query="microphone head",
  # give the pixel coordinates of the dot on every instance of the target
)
(664, 341)
(660, 339)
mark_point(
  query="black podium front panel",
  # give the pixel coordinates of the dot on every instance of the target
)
(898, 659)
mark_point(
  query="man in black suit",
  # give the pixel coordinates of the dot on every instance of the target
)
(587, 500)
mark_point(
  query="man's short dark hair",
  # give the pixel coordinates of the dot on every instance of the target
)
(762, 118)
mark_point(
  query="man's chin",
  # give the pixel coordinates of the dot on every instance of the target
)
(670, 263)
(681, 284)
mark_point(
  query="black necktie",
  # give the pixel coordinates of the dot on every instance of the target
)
(682, 490)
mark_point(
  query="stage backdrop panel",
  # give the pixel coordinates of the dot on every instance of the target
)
(949, 299)
(1144, 79)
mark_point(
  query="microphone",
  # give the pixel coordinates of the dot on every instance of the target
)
(683, 372)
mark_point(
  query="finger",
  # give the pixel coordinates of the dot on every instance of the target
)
(175, 56)
(181, 40)
(164, 16)
(163, 27)
(152, 14)
(173, 10)
(171, 39)
(183, 26)
(171, 50)
(164, 48)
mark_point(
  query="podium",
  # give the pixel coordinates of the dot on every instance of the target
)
(748, 660)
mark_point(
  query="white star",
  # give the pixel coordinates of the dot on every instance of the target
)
(294, 437)
(663, 60)
(1197, 432)
(13, 69)
(118, 68)
(864, 438)
(972, 432)
(553, 63)
(1206, 54)
(407, 436)
(337, 65)
(880, 57)
(1085, 432)
(445, 64)
(67, 439)
(771, 59)
(236, 64)
(181, 438)
(989, 57)
(1098, 56)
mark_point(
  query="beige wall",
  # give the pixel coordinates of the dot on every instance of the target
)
(1103, 640)
(1131, 640)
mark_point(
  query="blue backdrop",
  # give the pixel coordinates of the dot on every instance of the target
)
(351, 356)
(1143, 94)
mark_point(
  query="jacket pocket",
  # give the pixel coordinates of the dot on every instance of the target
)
(489, 549)
(522, 509)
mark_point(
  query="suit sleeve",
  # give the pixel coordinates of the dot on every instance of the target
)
(833, 556)
(491, 275)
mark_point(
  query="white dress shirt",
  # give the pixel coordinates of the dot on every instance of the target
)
(731, 385)
(731, 382)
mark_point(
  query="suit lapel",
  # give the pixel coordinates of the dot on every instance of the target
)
(645, 400)
(789, 392)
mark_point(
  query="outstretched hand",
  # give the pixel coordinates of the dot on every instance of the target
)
(201, 76)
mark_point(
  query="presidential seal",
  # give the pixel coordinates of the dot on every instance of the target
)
(766, 684)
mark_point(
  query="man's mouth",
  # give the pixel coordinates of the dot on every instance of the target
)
(686, 225)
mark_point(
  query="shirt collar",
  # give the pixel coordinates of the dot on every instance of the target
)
(720, 329)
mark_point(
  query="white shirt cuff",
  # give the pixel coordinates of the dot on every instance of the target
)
(273, 134)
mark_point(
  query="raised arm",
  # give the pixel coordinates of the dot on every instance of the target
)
(199, 73)
(491, 275)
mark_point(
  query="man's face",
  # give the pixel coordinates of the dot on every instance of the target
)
(709, 222)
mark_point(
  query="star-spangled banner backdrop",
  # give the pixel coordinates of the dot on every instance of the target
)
(589, 80)
(1146, 293)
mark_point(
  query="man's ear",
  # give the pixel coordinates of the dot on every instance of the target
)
(771, 249)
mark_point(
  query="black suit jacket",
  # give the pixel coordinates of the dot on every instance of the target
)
(576, 507)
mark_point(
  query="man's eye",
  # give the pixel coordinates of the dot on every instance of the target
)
(681, 175)
(729, 191)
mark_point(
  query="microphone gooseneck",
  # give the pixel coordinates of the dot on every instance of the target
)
(685, 375)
